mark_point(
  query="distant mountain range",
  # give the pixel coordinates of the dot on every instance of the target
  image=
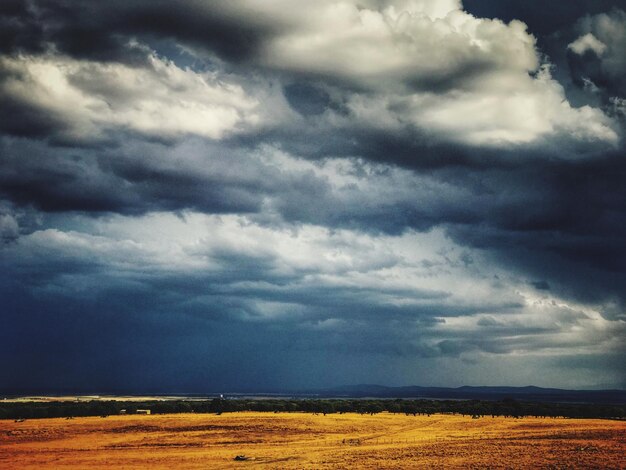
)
(529, 393)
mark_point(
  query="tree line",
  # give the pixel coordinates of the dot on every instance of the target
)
(476, 408)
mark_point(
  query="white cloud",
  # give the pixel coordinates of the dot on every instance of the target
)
(511, 109)
(475, 305)
(160, 98)
(435, 68)
(585, 43)
(9, 228)
(618, 106)
(162, 243)
(502, 110)
(404, 41)
(422, 64)
(605, 34)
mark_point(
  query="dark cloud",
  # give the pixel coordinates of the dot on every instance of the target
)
(599, 71)
(327, 225)
(542, 18)
(19, 29)
(99, 31)
(119, 180)
(307, 99)
(119, 329)
(548, 218)
(541, 285)
(26, 122)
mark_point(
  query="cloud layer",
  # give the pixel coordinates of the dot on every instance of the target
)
(243, 195)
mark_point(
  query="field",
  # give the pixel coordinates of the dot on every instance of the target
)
(299, 440)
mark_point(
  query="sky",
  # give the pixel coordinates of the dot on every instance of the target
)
(255, 195)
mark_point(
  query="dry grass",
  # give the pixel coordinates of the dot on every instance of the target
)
(301, 440)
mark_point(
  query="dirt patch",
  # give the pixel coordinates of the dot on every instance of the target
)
(299, 440)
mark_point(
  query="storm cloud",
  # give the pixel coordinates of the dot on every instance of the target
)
(405, 191)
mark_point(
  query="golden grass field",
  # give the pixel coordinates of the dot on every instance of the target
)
(300, 440)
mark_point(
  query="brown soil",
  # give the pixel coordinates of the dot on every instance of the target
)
(299, 440)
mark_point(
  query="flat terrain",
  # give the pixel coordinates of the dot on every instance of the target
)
(300, 440)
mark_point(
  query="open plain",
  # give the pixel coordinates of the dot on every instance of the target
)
(301, 440)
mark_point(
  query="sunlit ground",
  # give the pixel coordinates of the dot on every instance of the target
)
(300, 440)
